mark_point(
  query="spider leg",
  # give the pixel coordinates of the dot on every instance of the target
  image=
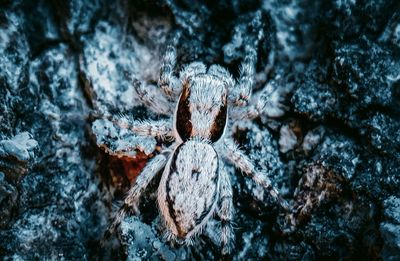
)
(225, 212)
(223, 74)
(151, 128)
(131, 201)
(270, 101)
(152, 98)
(241, 92)
(120, 142)
(235, 156)
(168, 82)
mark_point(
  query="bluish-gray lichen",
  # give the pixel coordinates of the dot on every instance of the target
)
(390, 228)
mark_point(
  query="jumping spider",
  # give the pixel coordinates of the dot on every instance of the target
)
(194, 184)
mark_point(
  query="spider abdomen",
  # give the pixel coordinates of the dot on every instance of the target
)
(189, 188)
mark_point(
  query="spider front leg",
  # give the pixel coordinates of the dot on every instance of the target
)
(241, 92)
(161, 129)
(131, 201)
(225, 212)
(151, 97)
(234, 155)
(223, 74)
(270, 102)
(168, 82)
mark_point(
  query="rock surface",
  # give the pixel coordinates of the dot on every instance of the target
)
(329, 140)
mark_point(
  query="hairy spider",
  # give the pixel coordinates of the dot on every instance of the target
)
(194, 184)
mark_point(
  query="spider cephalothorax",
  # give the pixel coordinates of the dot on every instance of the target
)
(202, 107)
(194, 184)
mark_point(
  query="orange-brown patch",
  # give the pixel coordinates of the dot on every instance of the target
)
(125, 170)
